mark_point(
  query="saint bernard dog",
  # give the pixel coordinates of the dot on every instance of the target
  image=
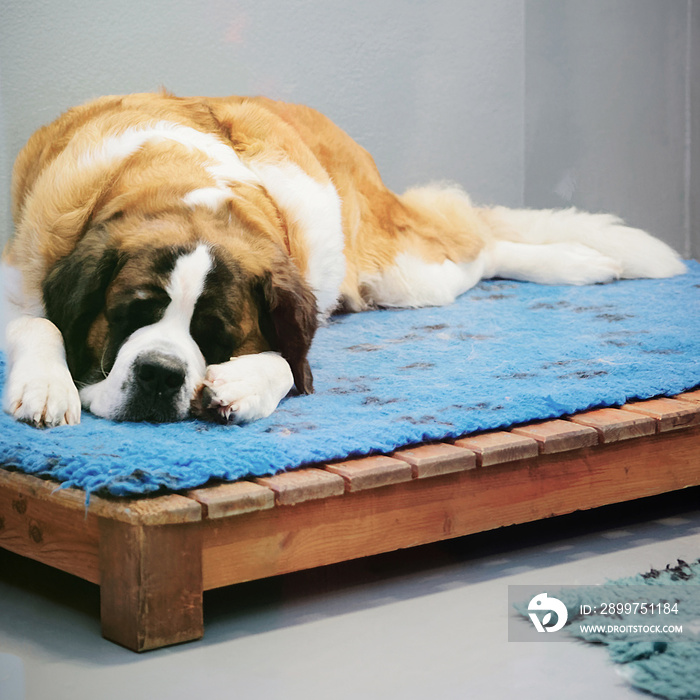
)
(173, 257)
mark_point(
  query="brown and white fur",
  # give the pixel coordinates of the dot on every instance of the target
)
(175, 255)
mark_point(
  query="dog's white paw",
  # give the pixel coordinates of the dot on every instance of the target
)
(551, 263)
(244, 389)
(575, 263)
(43, 396)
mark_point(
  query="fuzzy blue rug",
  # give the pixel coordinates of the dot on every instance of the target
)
(504, 353)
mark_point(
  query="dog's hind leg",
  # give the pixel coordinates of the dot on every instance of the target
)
(568, 246)
(412, 282)
(432, 249)
(551, 263)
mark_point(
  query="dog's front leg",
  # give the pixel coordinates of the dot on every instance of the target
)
(39, 389)
(244, 389)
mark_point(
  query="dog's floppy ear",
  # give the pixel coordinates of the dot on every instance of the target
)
(289, 320)
(74, 293)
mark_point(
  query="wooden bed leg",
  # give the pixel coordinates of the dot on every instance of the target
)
(150, 583)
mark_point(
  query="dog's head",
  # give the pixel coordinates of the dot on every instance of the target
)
(142, 322)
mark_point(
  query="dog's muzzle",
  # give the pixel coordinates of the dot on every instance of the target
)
(155, 389)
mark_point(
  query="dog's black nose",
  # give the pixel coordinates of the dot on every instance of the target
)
(159, 376)
(154, 391)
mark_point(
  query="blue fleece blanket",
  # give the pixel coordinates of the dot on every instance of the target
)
(504, 353)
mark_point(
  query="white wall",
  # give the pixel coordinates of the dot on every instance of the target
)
(536, 102)
(606, 119)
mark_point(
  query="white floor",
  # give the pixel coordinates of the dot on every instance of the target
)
(425, 623)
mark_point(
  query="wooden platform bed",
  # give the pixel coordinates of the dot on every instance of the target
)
(154, 557)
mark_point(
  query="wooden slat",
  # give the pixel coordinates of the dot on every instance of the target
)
(559, 435)
(613, 425)
(302, 485)
(371, 472)
(669, 413)
(161, 510)
(499, 447)
(435, 460)
(233, 499)
(692, 396)
(321, 532)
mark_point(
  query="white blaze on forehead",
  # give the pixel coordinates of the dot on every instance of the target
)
(187, 283)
